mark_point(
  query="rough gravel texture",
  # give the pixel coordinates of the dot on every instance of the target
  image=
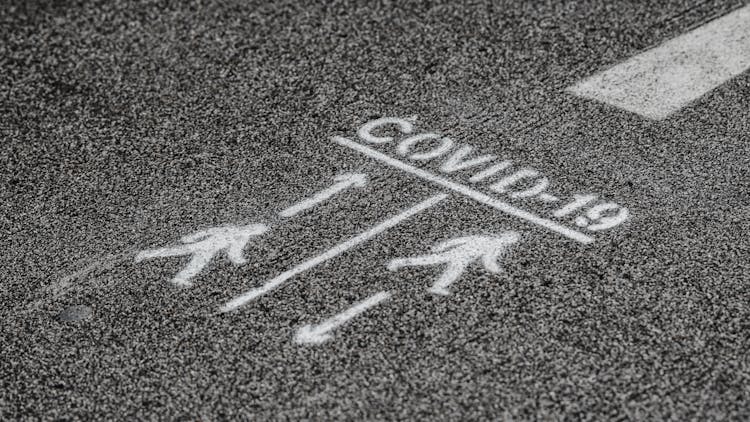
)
(128, 124)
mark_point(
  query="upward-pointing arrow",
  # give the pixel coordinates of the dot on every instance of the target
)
(341, 183)
(203, 245)
(457, 254)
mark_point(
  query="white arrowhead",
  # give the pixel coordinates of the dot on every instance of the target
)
(317, 334)
(342, 182)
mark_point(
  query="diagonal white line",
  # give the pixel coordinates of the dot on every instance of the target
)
(331, 253)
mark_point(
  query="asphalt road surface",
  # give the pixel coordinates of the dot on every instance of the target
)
(198, 223)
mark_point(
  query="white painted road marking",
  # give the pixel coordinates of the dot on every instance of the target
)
(342, 183)
(316, 334)
(461, 160)
(660, 81)
(203, 245)
(466, 191)
(332, 253)
(458, 254)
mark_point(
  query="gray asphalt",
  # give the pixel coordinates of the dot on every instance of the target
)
(126, 125)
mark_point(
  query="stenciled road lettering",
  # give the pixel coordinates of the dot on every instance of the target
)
(488, 178)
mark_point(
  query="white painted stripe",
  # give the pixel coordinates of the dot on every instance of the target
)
(317, 334)
(466, 191)
(332, 253)
(660, 81)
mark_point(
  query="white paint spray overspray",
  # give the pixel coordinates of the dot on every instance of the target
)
(457, 254)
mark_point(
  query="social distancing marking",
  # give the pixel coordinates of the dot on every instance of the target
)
(663, 80)
(454, 254)
(467, 191)
(499, 182)
(337, 250)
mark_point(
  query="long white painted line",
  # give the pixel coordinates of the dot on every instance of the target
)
(331, 253)
(661, 81)
(466, 191)
(320, 333)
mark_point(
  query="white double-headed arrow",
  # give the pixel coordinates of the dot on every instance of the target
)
(457, 254)
(342, 182)
(320, 333)
(203, 245)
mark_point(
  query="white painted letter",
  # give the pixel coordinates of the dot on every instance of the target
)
(504, 183)
(490, 171)
(365, 132)
(602, 223)
(540, 186)
(579, 201)
(457, 161)
(408, 143)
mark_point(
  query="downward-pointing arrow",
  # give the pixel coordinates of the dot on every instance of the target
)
(317, 334)
(342, 182)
